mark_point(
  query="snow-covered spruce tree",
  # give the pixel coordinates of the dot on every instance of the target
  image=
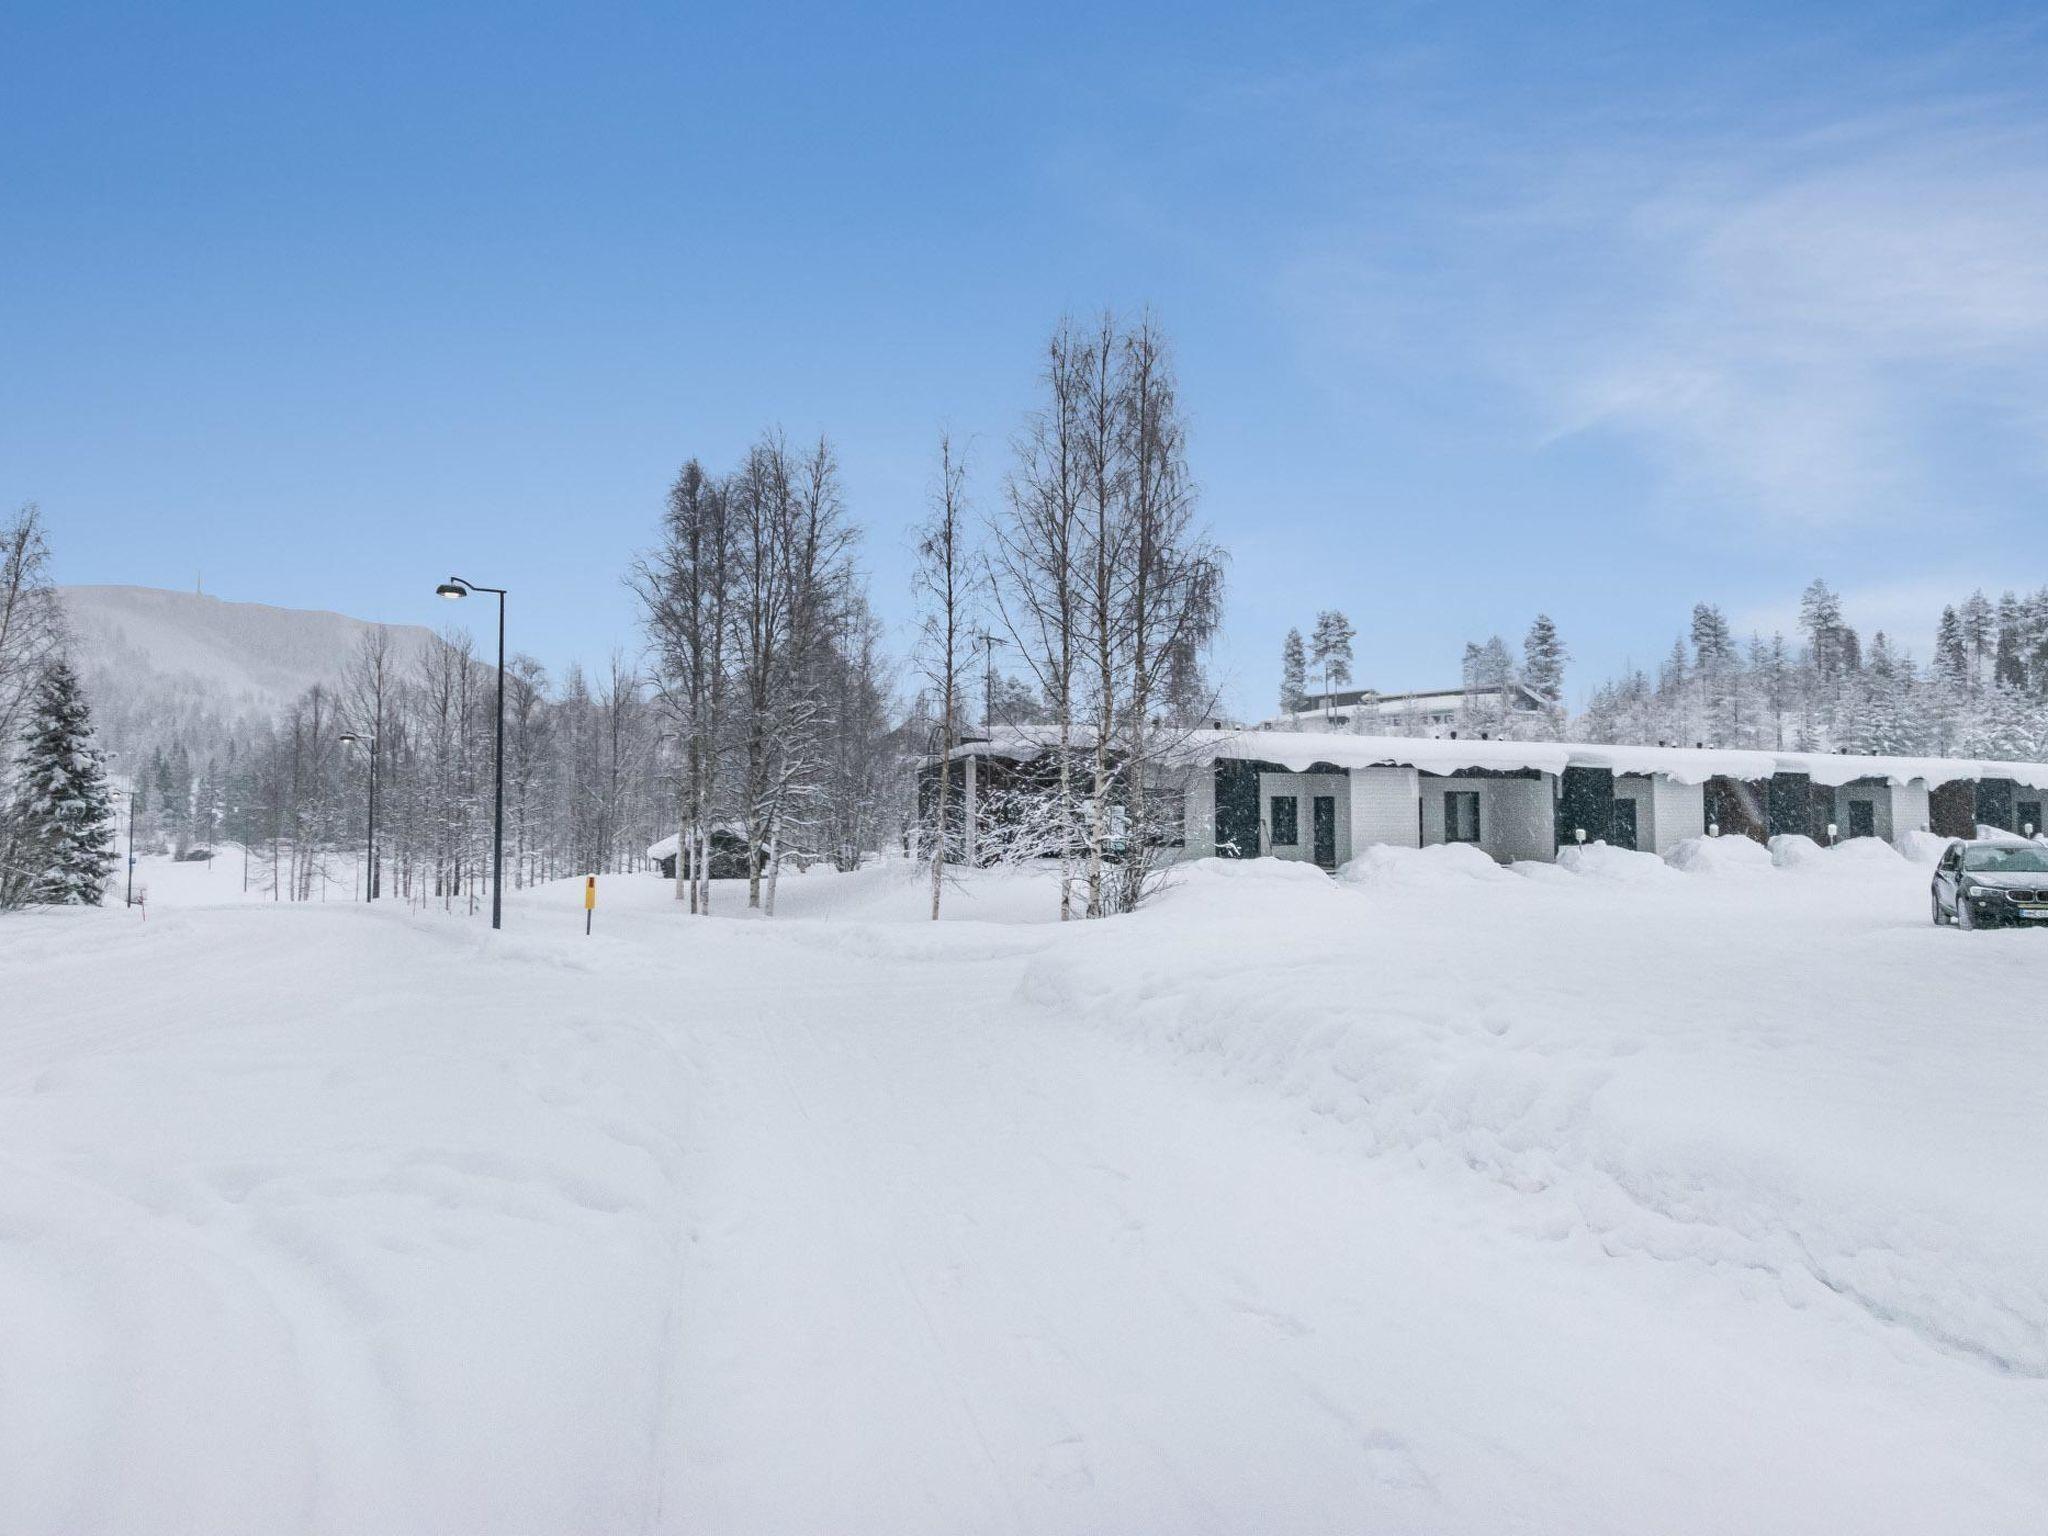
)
(1543, 659)
(1293, 674)
(62, 850)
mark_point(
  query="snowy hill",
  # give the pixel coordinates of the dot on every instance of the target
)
(153, 659)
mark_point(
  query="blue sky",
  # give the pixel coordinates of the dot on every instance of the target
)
(1479, 310)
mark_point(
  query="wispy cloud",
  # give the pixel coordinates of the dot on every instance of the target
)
(1833, 320)
(1819, 336)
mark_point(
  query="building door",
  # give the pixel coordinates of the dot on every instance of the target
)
(1325, 814)
(1862, 818)
(2028, 814)
(1624, 822)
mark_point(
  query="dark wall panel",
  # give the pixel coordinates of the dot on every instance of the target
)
(1789, 805)
(1585, 798)
(1952, 809)
(1237, 809)
(1736, 806)
(1994, 803)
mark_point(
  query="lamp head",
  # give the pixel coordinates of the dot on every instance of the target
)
(451, 589)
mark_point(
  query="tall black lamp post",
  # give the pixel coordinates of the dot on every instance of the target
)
(455, 587)
(370, 836)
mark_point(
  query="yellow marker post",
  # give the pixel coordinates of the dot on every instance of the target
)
(589, 901)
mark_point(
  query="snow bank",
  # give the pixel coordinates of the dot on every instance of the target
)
(1865, 850)
(1680, 1098)
(1438, 867)
(1922, 847)
(1719, 856)
(1790, 850)
(1622, 866)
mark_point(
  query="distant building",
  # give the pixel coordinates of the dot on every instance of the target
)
(1423, 713)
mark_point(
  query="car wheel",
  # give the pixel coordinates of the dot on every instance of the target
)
(1939, 920)
(1966, 915)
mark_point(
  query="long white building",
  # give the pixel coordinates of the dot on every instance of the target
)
(1322, 797)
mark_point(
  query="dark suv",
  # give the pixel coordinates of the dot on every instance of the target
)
(1985, 885)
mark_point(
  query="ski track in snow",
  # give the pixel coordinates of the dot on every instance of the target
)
(1438, 1200)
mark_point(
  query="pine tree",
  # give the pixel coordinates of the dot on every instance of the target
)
(1543, 658)
(1820, 615)
(1293, 674)
(61, 851)
(1979, 635)
(1951, 651)
(2008, 664)
(1330, 651)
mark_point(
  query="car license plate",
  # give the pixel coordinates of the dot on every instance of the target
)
(2034, 911)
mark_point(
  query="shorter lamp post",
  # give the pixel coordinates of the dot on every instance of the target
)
(359, 739)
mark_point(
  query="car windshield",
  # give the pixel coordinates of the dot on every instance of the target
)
(2003, 859)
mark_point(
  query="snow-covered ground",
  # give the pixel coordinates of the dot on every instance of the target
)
(1602, 1197)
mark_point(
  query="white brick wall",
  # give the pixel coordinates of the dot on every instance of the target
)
(1201, 813)
(1681, 812)
(1911, 811)
(1383, 807)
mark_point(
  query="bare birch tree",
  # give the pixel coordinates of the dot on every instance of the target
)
(1034, 582)
(944, 584)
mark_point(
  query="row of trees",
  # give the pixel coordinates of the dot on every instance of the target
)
(1326, 658)
(1984, 695)
(767, 669)
(295, 794)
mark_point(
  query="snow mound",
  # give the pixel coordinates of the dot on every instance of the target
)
(1923, 847)
(1866, 850)
(1621, 866)
(1719, 856)
(1792, 850)
(1386, 867)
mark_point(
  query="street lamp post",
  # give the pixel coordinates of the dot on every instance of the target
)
(370, 833)
(988, 698)
(453, 588)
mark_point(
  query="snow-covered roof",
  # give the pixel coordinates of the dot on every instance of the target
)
(667, 845)
(1447, 755)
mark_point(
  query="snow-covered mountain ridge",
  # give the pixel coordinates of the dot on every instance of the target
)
(241, 655)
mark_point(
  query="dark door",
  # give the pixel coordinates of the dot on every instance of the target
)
(1862, 818)
(2028, 814)
(1624, 824)
(1326, 830)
